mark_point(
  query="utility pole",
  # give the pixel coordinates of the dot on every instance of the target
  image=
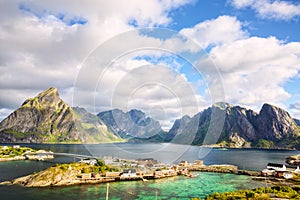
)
(107, 187)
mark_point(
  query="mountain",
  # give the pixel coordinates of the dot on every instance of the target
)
(47, 118)
(94, 128)
(131, 124)
(297, 121)
(272, 127)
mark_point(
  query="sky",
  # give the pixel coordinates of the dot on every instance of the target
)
(168, 58)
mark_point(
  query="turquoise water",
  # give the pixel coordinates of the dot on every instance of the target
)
(179, 187)
(171, 188)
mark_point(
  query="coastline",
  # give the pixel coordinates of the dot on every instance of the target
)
(12, 158)
(135, 142)
(72, 177)
(59, 179)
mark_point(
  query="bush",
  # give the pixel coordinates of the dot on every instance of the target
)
(100, 162)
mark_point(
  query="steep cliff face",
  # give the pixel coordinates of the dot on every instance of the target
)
(272, 127)
(297, 121)
(130, 124)
(274, 123)
(179, 127)
(46, 118)
(92, 129)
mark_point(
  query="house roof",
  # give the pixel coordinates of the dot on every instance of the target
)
(292, 166)
(127, 171)
(275, 165)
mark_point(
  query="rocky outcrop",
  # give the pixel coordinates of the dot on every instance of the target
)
(293, 160)
(60, 175)
(47, 118)
(134, 123)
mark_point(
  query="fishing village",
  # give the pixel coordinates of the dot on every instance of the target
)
(91, 170)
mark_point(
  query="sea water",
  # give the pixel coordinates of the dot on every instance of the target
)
(179, 187)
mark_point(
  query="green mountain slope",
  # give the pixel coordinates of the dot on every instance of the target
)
(46, 118)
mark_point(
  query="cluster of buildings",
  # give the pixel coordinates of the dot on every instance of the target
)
(141, 169)
(280, 170)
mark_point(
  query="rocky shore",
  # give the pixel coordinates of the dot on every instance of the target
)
(85, 173)
(15, 152)
(293, 160)
(75, 174)
(278, 181)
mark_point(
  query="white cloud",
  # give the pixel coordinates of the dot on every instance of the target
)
(40, 47)
(295, 109)
(255, 70)
(295, 106)
(224, 29)
(270, 9)
(129, 83)
(241, 3)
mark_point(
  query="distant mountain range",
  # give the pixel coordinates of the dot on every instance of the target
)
(272, 127)
(46, 118)
(130, 124)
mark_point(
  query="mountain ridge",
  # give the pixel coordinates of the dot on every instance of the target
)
(272, 127)
(46, 118)
(133, 123)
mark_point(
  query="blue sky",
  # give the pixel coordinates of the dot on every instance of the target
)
(254, 45)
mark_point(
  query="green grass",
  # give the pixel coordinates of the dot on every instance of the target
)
(12, 152)
(259, 193)
(265, 144)
(22, 135)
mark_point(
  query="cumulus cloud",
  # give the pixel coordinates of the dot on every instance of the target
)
(134, 81)
(295, 109)
(241, 3)
(255, 70)
(270, 9)
(43, 43)
(295, 105)
(46, 44)
(224, 29)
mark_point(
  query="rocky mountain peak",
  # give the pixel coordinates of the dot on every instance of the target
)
(47, 98)
(47, 118)
(222, 105)
(274, 123)
(133, 123)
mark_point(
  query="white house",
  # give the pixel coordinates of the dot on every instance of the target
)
(89, 161)
(288, 175)
(276, 167)
(128, 173)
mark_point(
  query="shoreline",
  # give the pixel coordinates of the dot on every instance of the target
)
(76, 180)
(78, 177)
(130, 142)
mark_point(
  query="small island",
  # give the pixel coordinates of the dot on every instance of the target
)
(16, 152)
(109, 169)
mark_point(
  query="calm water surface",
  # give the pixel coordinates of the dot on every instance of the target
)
(171, 188)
